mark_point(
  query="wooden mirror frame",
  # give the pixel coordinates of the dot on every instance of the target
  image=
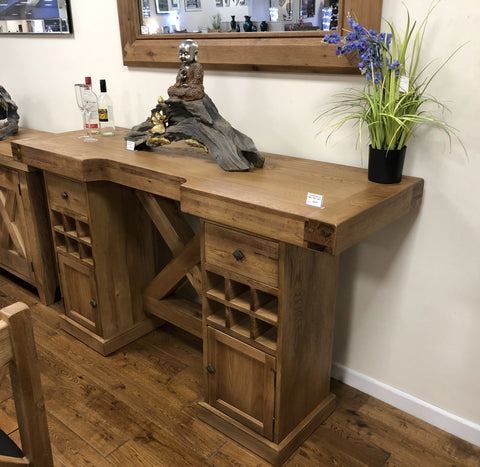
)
(266, 51)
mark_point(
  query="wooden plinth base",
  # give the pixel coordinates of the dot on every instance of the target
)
(274, 453)
(107, 346)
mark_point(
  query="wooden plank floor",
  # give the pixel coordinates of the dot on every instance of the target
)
(137, 408)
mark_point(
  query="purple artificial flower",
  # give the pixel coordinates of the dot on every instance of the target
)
(373, 50)
(393, 65)
(334, 38)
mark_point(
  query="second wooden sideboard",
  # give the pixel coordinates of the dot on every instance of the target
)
(263, 263)
(25, 241)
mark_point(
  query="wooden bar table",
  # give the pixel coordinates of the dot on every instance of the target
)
(263, 262)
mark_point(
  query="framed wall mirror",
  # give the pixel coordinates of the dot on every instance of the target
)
(35, 17)
(281, 35)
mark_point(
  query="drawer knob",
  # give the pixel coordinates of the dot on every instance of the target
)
(64, 195)
(93, 303)
(238, 255)
(211, 369)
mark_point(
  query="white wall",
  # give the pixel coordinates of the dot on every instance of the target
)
(409, 296)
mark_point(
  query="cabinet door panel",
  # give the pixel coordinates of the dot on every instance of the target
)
(13, 247)
(241, 382)
(79, 292)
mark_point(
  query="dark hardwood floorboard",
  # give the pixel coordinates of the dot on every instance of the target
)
(137, 408)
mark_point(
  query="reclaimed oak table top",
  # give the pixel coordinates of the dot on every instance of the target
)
(270, 201)
(6, 156)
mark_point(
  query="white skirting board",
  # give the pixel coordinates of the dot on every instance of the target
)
(440, 418)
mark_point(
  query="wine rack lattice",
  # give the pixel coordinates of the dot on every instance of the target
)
(72, 236)
(242, 309)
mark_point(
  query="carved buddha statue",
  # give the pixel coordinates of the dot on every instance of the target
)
(189, 83)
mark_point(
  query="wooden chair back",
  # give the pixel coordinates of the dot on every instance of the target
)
(18, 354)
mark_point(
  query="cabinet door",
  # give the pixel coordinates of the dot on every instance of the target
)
(79, 292)
(13, 246)
(241, 382)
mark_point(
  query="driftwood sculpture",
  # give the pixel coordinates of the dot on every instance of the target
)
(8, 115)
(190, 115)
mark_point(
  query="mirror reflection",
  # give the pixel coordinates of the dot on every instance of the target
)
(34, 16)
(207, 16)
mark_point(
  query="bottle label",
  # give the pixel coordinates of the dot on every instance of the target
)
(91, 125)
(103, 115)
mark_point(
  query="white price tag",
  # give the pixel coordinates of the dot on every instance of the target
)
(404, 83)
(315, 200)
(131, 145)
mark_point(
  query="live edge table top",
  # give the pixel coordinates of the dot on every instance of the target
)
(270, 201)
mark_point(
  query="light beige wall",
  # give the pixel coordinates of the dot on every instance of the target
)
(409, 297)
(409, 305)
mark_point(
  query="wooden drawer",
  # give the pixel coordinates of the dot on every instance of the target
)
(244, 254)
(64, 193)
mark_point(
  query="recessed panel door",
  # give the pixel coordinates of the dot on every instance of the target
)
(241, 382)
(79, 292)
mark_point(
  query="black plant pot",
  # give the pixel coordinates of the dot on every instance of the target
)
(386, 166)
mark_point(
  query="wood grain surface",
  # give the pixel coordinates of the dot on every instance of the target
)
(269, 201)
(137, 408)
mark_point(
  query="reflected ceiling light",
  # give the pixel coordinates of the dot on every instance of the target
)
(273, 14)
(153, 26)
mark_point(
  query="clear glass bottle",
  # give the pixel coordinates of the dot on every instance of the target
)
(91, 106)
(105, 111)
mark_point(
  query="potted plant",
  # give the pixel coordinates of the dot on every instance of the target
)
(394, 101)
(216, 22)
